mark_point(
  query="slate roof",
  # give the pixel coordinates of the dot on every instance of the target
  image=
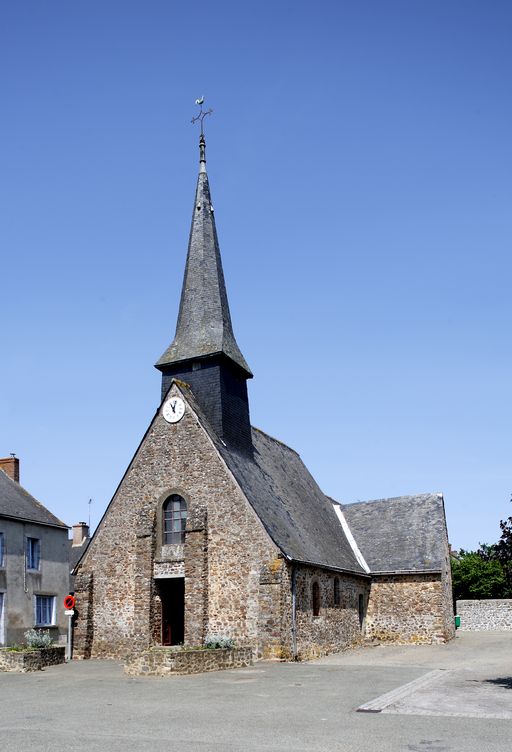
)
(76, 552)
(204, 322)
(17, 503)
(402, 534)
(297, 515)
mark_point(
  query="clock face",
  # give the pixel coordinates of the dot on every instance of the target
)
(174, 409)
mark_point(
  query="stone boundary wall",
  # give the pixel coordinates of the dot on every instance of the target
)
(485, 615)
(161, 661)
(31, 660)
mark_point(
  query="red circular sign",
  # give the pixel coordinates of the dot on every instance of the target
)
(69, 602)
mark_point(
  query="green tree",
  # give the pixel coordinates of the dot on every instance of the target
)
(503, 550)
(476, 577)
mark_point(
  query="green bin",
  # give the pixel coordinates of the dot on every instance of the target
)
(457, 622)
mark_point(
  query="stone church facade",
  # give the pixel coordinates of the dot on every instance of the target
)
(218, 528)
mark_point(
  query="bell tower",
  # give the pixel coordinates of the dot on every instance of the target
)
(204, 352)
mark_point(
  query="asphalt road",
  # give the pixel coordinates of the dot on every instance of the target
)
(309, 707)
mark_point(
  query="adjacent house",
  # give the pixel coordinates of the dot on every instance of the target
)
(217, 527)
(34, 562)
(77, 547)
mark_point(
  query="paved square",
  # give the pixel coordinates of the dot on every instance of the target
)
(309, 707)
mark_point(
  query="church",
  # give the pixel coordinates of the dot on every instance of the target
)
(218, 528)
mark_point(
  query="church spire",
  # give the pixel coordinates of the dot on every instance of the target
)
(204, 322)
(204, 352)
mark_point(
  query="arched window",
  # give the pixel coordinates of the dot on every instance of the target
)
(337, 599)
(316, 599)
(175, 519)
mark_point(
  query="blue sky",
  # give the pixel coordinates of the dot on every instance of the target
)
(360, 162)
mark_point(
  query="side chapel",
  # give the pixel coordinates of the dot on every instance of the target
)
(217, 527)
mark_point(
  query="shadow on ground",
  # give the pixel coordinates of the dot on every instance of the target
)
(503, 681)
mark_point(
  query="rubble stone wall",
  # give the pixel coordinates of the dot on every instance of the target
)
(31, 660)
(225, 545)
(83, 625)
(169, 661)
(447, 595)
(408, 609)
(485, 615)
(274, 610)
(338, 625)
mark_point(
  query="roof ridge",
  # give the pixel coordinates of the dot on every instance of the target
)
(19, 488)
(277, 441)
(437, 494)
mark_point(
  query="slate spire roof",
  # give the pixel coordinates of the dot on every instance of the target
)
(204, 323)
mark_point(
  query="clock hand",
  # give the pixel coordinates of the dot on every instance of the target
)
(173, 406)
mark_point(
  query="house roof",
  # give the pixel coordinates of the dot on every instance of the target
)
(401, 534)
(204, 322)
(17, 503)
(76, 552)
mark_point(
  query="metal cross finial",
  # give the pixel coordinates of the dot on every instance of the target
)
(202, 114)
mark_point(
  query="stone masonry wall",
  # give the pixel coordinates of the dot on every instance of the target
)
(447, 595)
(31, 660)
(274, 610)
(337, 626)
(83, 625)
(196, 580)
(169, 662)
(222, 558)
(407, 608)
(485, 615)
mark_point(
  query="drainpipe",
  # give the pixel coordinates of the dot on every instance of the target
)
(294, 612)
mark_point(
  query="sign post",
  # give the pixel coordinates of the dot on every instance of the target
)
(69, 606)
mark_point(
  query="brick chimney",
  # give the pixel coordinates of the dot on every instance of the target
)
(11, 467)
(80, 533)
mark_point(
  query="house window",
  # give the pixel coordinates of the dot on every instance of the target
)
(2, 549)
(316, 599)
(175, 519)
(337, 599)
(45, 610)
(33, 553)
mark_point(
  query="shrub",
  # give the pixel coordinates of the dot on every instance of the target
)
(218, 641)
(38, 638)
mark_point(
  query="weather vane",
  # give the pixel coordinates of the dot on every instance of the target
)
(202, 114)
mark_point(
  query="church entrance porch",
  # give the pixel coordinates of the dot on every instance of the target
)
(172, 596)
